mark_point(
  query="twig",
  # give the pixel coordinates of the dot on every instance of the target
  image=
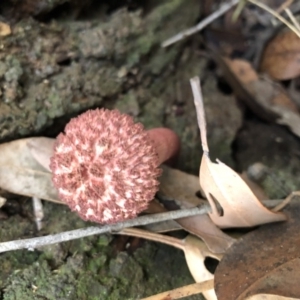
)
(188, 290)
(2, 201)
(284, 6)
(292, 18)
(198, 100)
(222, 10)
(33, 243)
(152, 236)
(286, 201)
(38, 212)
(275, 14)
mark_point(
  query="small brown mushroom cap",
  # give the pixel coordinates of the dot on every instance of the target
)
(105, 166)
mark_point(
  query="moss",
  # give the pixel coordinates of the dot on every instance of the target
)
(69, 71)
(64, 67)
(280, 182)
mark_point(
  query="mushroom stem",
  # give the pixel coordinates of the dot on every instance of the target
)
(166, 143)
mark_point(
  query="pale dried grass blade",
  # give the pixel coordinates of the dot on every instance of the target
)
(184, 291)
(277, 15)
(286, 201)
(2, 201)
(38, 212)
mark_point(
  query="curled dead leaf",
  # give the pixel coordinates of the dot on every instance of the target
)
(4, 29)
(180, 189)
(281, 58)
(232, 201)
(266, 98)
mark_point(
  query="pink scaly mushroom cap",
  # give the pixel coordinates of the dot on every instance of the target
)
(105, 167)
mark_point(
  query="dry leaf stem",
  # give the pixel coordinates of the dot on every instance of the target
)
(183, 34)
(185, 291)
(152, 236)
(276, 14)
(286, 201)
(196, 87)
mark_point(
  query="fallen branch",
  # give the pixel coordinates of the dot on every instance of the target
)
(33, 243)
(183, 34)
(185, 291)
(36, 242)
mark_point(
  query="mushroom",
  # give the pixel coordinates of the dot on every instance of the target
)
(105, 166)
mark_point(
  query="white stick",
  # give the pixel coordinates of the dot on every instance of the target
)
(222, 10)
(33, 243)
(198, 100)
(38, 212)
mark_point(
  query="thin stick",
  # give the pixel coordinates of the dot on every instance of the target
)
(198, 100)
(152, 236)
(292, 18)
(185, 291)
(286, 201)
(38, 212)
(33, 243)
(222, 10)
(284, 6)
(275, 14)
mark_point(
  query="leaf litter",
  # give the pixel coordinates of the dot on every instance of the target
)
(281, 58)
(228, 209)
(195, 252)
(36, 152)
(266, 98)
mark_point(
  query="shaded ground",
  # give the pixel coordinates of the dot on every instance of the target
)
(91, 268)
(51, 71)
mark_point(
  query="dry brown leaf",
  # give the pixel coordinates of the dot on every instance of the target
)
(232, 201)
(21, 174)
(265, 261)
(181, 188)
(266, 98)
(281, 58)
(4, 29)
